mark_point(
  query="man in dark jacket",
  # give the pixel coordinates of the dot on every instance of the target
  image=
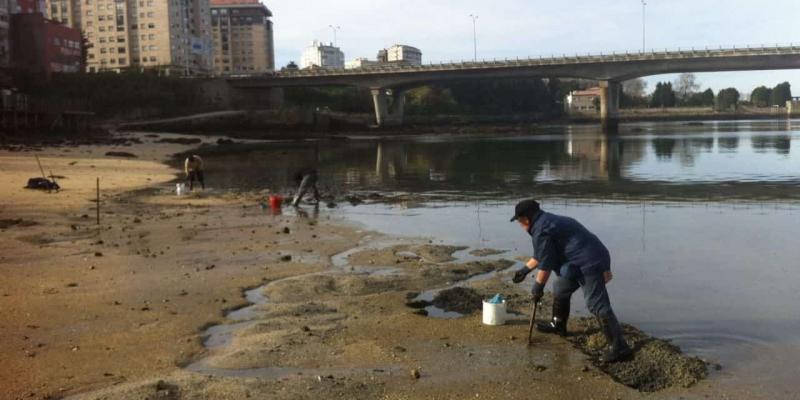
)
(579, 260)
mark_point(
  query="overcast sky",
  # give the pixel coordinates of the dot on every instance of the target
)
(442, 29)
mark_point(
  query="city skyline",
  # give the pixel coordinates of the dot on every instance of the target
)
(370, 25)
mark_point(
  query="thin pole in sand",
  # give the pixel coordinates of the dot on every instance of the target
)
(98, 201)
(53, 177)
(43, 174)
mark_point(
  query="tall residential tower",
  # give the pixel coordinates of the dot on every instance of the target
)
(172, 36)
(242, 36)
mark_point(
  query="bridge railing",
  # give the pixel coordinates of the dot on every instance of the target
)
(564, 59)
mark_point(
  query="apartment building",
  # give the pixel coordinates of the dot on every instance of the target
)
(321, 55)
(361, 62)
(66, 12)
(243, 39)
(171, 36)
(400, 53)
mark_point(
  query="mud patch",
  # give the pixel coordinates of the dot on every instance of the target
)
(655, 365)
(437, 253)
(122, 154)
(485, 252)
(180, 141)
(22, 223)
(459, 299)
(405, 255)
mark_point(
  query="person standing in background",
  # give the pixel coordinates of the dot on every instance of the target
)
(194, 171)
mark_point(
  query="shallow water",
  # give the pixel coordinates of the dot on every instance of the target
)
(743, 160)
(701, 221)
(719, 279)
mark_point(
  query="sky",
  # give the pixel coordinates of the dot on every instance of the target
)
(443, 29)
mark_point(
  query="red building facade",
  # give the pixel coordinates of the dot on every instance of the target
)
(27, 6)
(43, 47)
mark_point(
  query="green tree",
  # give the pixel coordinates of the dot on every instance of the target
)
(781, 94)
(704, 99)
(430, 100)
(663, 96)
(761, 96)
(727, 99)
(707, 98)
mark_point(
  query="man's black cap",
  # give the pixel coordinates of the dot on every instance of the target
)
(525, 208)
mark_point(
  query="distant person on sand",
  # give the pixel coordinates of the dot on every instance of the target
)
(194, 171)
(306, 178)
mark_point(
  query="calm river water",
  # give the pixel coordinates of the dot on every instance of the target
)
(703, 221)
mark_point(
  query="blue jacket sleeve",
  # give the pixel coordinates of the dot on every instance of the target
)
(545, 252)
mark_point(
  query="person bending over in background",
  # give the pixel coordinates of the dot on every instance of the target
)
(306, 178)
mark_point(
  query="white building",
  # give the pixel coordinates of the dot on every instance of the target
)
(400, 53)
(322, 55)
(360, 62)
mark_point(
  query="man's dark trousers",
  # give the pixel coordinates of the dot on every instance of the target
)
(594, 292)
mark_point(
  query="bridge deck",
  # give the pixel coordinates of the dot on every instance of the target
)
(790, 49)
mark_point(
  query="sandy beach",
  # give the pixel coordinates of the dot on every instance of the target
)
(140, 305)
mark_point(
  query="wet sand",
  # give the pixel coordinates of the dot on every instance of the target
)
(128, 309)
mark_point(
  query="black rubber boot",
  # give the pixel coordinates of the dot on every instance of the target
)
(618, 349)
(558, 324)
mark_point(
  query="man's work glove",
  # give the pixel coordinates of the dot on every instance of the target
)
(537, 292)
(520, 275)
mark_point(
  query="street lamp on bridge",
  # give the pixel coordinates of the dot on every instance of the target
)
(474, 36)
(644, 19)
(335, 30)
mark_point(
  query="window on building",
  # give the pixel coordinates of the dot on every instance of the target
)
(121, 50)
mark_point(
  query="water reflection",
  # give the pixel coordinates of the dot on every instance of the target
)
(730, 160)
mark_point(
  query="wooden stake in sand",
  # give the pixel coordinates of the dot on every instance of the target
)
(53, 177)
(98, 201)
(43, 174)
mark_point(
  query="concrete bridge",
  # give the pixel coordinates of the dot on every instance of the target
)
(388, 83)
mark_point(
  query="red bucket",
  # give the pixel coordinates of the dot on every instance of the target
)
(275, 202)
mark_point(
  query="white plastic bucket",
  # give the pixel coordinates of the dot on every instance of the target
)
(494, 314)
(179, 189)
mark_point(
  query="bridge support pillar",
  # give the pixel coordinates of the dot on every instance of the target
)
(609, 105)
(389, 108)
